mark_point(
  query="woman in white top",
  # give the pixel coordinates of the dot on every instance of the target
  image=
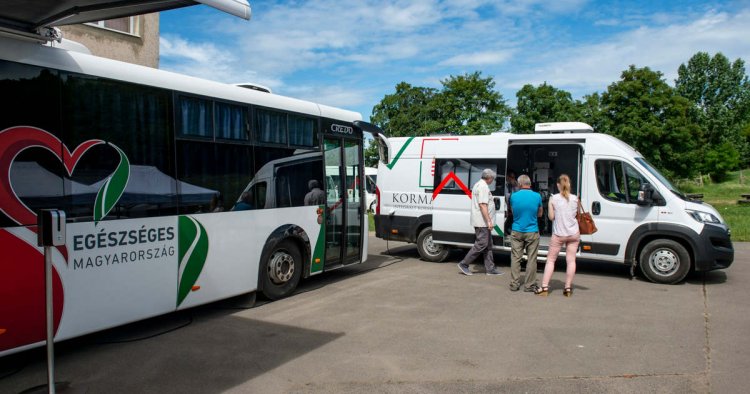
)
(562, 211)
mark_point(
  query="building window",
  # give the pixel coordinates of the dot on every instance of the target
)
(127, 25)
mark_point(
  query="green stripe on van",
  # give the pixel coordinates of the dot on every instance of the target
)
(398, 155)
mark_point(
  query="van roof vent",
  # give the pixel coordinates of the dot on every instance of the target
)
(254, 86)
(562, 127)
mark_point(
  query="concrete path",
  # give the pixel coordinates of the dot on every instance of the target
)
(398, 324)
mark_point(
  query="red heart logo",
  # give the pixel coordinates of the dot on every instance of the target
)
(22, 315)
(15, 140)
(22, 311)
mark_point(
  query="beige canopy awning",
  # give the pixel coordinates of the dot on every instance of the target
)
(29, 16)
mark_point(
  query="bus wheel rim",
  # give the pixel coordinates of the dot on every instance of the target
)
(664, 262)
(281, 267)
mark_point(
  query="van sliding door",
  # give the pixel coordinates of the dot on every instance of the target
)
(451, 202)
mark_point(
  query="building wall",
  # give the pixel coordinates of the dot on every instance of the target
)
(142, 48)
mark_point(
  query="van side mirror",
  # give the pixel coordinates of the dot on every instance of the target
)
(645, 195)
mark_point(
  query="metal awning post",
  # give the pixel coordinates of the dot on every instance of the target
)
(51, 233)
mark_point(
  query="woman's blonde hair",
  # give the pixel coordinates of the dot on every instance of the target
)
(564, 182)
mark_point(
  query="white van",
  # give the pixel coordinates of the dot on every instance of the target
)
(424, 187)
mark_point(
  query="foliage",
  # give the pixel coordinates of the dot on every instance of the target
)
(719, 160)
(642, 110)
(408, 111)
(371, 154)
(591, 112)
(467, 104)
(720, 93)
(541, 104)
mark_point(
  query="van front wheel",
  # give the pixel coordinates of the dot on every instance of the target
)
(664, 261)
(428, 249)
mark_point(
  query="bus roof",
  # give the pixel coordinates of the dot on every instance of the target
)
(44, 56)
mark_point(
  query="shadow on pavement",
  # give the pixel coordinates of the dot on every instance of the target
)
(191, 359)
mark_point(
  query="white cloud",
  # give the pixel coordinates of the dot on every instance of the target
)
(478, 59)
(592, 67)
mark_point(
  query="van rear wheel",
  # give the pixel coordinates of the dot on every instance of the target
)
(664, 261)
(428, 249)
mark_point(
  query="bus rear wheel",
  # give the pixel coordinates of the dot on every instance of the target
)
(281, 270)
(428, 249)
(664, 261)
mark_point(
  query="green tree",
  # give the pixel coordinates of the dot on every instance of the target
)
(590, 111)
(720, 93)
(645, 112)
(468, 104)
(408, 111)
(371, 154)
(541, 104)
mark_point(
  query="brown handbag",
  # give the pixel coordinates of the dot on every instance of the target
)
(585, 221)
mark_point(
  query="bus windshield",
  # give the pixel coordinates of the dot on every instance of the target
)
(661, 177)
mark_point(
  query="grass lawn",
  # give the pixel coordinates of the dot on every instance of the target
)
(723, 196)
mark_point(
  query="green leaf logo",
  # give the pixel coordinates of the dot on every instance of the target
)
(192, 249)
(112, 189)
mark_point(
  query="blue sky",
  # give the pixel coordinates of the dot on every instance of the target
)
(350, 54)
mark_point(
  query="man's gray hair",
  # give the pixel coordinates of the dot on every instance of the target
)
(524, 180)
(488, 174)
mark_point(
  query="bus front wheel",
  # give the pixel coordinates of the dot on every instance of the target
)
(281, 270)
(664, 261)
(428, 249)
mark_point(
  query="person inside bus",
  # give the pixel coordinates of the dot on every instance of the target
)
(245, 203)
(482, 219)
(562, 210)
(526, 207)
(216, 204)
(316, 195)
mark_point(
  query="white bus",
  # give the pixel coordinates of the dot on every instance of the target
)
(424, 189)
(150, 167)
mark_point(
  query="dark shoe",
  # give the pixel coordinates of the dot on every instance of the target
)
(494, 271)
(465, 269)
(543, 291)
(514, 287)
(568, 292)
(532, 289)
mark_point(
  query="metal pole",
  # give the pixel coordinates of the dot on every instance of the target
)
(50, 320)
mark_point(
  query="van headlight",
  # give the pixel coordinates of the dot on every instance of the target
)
(703, 217)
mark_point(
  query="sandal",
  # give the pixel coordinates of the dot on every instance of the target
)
(542, 291)
(568, 292)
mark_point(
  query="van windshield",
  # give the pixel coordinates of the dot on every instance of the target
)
(661, 177)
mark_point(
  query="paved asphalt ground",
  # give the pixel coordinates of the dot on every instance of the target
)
(398, 324)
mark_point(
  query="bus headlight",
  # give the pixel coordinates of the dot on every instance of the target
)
(703, 217)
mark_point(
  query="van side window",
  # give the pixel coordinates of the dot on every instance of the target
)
(468, 171)
(610, 180)
(634, 180)
(293, 182)
(618, 181)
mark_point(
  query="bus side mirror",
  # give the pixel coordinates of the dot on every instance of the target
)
(645, 195)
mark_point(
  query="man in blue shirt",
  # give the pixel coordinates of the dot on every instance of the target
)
(526, 207)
